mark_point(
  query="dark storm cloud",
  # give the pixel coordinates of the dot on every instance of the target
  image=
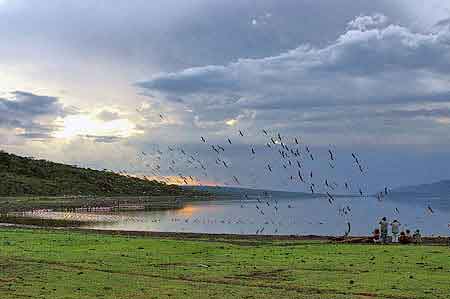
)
(102, 139)
(31, 112)
(191, 80)
(31, 105)
(173, 34)
(444, 22)
(36, 136)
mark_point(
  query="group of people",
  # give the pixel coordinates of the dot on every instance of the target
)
(381, 235)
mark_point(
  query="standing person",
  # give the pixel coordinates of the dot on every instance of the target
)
(395, 229)
(384, 229)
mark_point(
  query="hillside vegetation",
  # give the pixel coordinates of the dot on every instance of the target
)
(20, 176)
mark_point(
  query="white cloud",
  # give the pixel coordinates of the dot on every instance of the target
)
(367, 22)
(372, 64)
(363, 66)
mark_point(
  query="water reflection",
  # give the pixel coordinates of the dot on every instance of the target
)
(292, 217)
(302, 217)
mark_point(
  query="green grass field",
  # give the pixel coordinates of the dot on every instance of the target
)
(62, 264)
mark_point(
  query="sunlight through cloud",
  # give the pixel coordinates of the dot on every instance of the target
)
(80, 125)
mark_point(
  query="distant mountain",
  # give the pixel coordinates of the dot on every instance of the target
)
(20, 176)
(435, 194)
(438, 188)
(239, 192)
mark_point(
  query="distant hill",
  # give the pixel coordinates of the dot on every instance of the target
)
(437, 188)
(435, 194)
(239, 192)
(20, 176)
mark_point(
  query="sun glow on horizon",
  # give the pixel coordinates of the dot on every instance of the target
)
(176, 180)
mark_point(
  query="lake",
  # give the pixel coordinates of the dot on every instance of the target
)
(302, 216)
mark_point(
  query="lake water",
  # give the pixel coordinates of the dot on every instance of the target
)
(292, 217)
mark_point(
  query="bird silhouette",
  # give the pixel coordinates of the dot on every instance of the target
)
(331, 155)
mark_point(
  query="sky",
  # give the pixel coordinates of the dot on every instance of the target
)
(111, 86)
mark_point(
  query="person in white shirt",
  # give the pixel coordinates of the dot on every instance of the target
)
(395, 229)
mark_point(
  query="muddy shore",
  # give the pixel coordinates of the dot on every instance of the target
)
(232, 238)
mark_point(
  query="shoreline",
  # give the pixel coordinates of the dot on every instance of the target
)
(363, 240)
(92, 203)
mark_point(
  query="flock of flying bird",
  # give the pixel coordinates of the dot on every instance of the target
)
(293, 158)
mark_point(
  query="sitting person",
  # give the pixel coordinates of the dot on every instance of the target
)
(417, 237)
(376, 238)
(408, 233)
(404, 238)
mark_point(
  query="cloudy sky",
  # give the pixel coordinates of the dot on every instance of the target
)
(110, 86)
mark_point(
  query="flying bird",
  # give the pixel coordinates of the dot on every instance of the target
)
(300, 176)
(360, 168)
(348, 229)
(330, 198)
(331, 155)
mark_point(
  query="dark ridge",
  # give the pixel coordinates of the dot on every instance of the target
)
(436, 194)
(25, 176)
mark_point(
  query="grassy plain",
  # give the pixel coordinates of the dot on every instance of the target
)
(66, 264)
